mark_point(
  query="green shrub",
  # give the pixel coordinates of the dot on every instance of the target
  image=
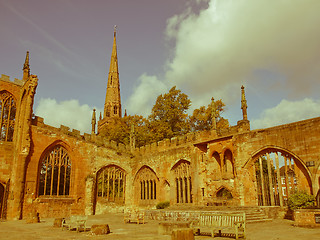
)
(163, 205)
(301, 199)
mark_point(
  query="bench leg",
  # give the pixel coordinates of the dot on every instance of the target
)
(212, 233)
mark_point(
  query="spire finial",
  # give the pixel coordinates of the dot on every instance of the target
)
(114, 30)
(26, 68)
(213, 114)
(244, 105)
(93, 121)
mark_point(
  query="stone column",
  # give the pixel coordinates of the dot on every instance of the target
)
(262, 182)
(279, 180)
(89, 195)
(270, 180)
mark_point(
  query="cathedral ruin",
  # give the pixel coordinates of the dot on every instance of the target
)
(60, 172)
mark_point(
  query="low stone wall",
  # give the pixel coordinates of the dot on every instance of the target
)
(307, 217)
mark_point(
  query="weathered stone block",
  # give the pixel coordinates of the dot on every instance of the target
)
(33, 217)
(57, 222)
(100, 229)
(166, 228)
(182, 234)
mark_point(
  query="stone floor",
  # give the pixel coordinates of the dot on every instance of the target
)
(19, 230)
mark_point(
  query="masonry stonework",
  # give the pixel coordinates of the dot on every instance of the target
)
(58, 172)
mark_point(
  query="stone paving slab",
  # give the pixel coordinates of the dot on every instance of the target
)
(19, 230)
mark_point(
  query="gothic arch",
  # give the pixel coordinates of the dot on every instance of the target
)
(216, 156)
(278, 173)
(224, 192)
(7, 115)
(146, 186)
(110, 184)
(54, 171)
(182, 181)
(228, 164)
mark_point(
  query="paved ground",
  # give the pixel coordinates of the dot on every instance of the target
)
(18, 230)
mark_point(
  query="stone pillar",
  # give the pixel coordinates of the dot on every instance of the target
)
(286, 176)
(279, 180)
(270, 180)
(262, 182)
(89, 195)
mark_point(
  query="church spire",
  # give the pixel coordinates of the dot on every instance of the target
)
(112, 106)
(26, 68)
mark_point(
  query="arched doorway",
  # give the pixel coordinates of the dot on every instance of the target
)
(278, 174)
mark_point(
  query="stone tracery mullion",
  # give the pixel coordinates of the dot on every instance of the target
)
(7, 116)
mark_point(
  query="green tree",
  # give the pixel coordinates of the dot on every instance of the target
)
(201, 119)
(119, 130)
(168, 117)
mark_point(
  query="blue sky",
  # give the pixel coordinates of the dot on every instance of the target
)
(206, 48)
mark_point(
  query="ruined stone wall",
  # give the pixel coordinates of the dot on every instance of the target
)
(87, 157)
(6, 157)
(301, 139)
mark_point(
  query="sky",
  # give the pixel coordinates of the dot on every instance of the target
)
(207, 48)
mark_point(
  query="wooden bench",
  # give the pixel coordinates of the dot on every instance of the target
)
(133, 216)
(75, 222)
(218, 222)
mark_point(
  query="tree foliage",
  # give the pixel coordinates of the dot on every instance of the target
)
(119, 130)
(301, 199)
(168, 118)
(201, 119)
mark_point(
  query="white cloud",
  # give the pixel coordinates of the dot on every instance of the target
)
(231, 43)
(69, 113)
(287, 112)
(144, 96)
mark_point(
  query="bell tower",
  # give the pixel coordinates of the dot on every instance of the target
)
(112, 105)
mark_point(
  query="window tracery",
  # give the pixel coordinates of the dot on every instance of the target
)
(7, 116)
(147, 185)
(55, 172)
(183, 183)
(111, 184)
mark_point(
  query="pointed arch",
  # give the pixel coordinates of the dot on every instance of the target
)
(110, 182)
(228, 164)
(7, 116)
(146, 186)
(224, 193)
(182, 181)
(54, 171)
(278, 173)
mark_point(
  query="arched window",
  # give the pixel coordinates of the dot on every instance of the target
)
(182, 176)
(115, 109)
(55, 172)
(146, 184)
(111, 184)
(7, 116)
